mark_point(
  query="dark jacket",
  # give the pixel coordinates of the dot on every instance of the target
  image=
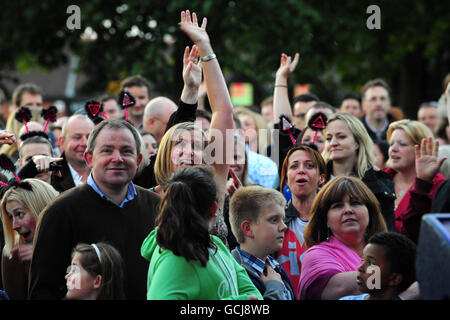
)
(82, 215)
(290, 213)
(373, 134)
(382, 186)
(284, 144)
(62, 179)
(441, 200)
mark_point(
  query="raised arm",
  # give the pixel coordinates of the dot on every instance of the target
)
(192, 78)
(219, 98)
(421, 194)
(447, 96)
(192, 75)
(281, 104)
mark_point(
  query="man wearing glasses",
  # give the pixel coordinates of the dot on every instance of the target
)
(301, 105)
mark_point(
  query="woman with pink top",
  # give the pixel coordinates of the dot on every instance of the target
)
(344, 215)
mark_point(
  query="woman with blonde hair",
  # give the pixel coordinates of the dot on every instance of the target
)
(413, 165)
(21, 206)
(349, 152)
(185, 144)
(256, 131)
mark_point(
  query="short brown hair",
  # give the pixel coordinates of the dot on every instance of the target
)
(30, 88)
(316, 231)
(113, 124)
(375, 83)
(316, 157)
(247, 203)
(137, 81)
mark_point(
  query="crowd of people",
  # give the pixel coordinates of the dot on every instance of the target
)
(164, 200)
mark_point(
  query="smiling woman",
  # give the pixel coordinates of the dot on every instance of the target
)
(349, 152)
(21, 206)
(344, 215)
(414, 172)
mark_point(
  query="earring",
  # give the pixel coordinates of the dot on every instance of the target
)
(329, 233)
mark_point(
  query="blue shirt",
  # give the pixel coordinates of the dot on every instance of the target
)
(131, 193)
(257, 265)
(262, 170)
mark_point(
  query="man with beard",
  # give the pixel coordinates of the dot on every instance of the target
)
(376, 105)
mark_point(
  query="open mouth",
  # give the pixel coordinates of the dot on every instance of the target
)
(26, 235)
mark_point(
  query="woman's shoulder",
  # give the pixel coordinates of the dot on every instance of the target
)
(379, 182)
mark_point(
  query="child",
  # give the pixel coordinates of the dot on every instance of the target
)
(186, 262)
(257, 221)
(96, 273)
(388, 267)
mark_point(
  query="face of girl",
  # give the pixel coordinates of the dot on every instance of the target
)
(81, 285)
(348, 218)
(22, 219)
(401, 151)
(303, 177)
(188, 149)
(340, 141)
(309, 137)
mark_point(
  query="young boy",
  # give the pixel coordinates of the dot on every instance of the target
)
(257, 222)
(388, 267)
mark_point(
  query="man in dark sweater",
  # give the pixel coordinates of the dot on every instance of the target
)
(108, 207)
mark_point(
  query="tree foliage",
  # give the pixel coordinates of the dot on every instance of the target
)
(336, 48)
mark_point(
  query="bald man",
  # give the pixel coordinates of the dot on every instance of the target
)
(75, 170)
(156, 115)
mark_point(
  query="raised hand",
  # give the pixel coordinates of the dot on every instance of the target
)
(192, 72)
(7, 137)
(287, 65)
(233, 183)
(190, 26)
(427, 163)
(447, 96)
(43, 162)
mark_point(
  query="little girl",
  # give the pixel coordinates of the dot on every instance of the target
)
(96, 273)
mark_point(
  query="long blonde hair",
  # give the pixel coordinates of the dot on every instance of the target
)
(261, 126)
(365, 157)
(35, 200)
